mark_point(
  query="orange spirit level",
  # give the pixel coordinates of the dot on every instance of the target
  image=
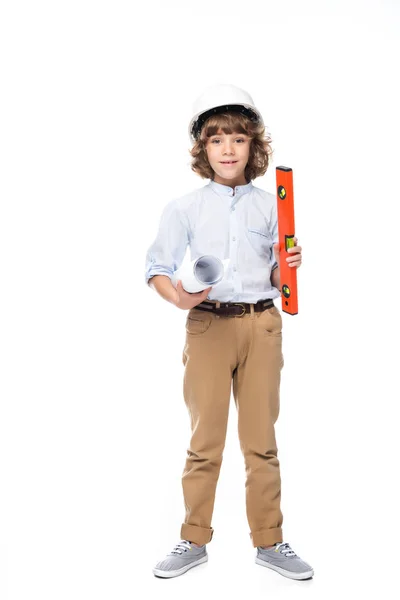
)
(285, 205)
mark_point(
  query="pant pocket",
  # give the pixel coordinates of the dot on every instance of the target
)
(197, 324)
(270, 322)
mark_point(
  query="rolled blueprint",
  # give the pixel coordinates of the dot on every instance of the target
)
(201, 273)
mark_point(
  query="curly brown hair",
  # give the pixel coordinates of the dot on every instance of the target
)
(233, 122)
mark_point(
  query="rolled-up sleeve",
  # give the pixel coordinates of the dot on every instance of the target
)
(167, 252)
(274, 234)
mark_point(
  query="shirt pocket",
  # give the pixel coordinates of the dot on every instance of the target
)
(261, 240)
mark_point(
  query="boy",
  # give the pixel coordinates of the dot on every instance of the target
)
(233, 330)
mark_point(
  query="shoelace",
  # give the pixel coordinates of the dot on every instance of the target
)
(183, 546)
(285, 549)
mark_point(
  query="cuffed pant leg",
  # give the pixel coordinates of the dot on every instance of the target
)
(198, 535)
(256, 384)
(266, 537)
(208, 358)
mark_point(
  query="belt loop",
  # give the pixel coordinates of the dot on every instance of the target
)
(252, 311)
(218, 305)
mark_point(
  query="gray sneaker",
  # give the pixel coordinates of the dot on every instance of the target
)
(283, 559)
(183, 557)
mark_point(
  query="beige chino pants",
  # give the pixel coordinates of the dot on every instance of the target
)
(245, 352)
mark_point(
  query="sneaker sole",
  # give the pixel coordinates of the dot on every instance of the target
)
(165, 574)
(284, 572)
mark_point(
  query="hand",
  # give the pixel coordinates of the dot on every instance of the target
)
(185, 300)
(293, 261)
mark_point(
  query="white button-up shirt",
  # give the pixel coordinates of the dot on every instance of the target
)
(239, 224)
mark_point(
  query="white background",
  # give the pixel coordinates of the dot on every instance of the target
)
(96, 99)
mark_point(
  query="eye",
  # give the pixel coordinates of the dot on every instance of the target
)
(212, 141)
(240, 140)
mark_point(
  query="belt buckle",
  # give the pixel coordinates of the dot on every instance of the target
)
(243, 306)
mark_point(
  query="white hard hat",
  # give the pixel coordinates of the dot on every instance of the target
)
(219, 98)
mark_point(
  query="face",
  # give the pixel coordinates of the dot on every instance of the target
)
(228, 154)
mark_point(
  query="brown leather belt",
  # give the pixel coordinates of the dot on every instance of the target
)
(234, 309)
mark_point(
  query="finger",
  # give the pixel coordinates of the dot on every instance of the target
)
(291, 259)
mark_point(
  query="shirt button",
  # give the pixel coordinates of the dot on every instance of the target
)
(234, 268)
(234, 239)
(233, 208)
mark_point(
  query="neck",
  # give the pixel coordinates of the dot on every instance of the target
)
(241, 180)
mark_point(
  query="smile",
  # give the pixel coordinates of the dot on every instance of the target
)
(229, 162)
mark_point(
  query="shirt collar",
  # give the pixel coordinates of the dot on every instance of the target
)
(228, 191)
